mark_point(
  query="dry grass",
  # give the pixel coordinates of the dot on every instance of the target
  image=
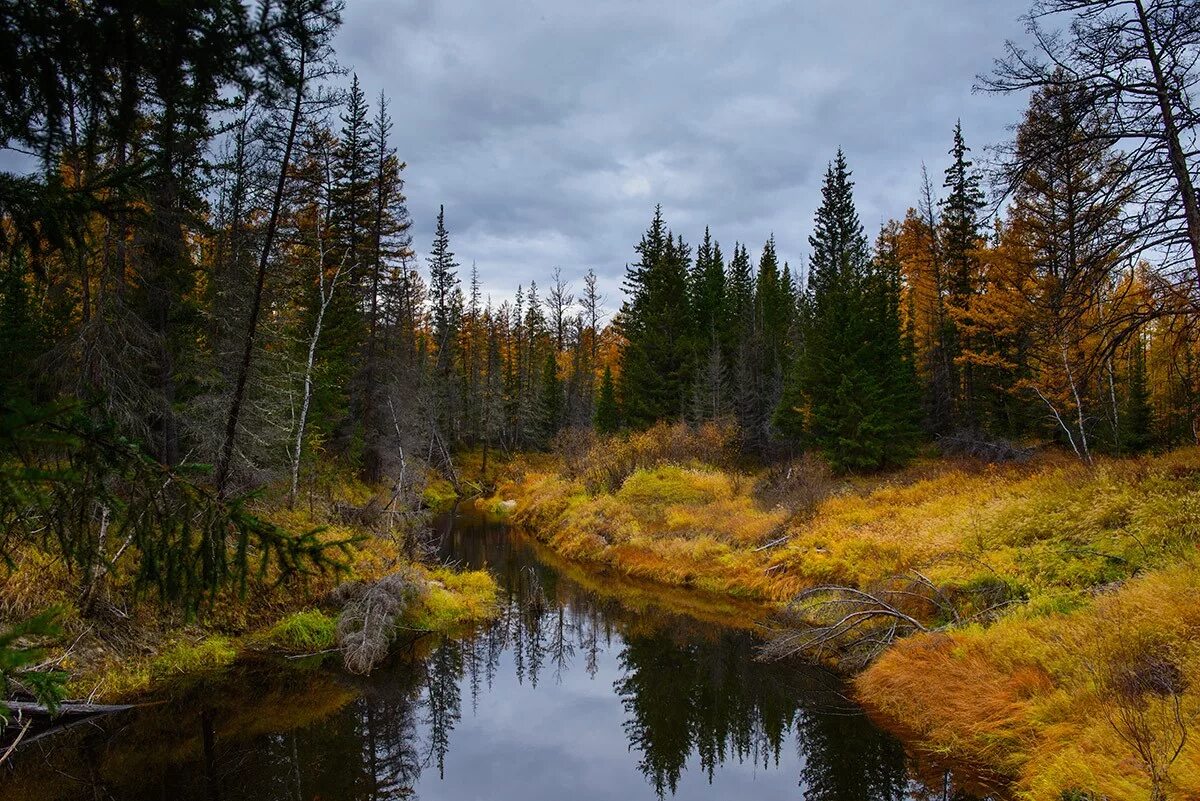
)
(1027, 698)
(1092, 569)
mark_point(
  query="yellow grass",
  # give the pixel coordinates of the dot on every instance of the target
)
(1098, 565)
(1027, 697)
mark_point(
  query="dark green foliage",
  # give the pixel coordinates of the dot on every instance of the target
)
(444, 291)
(553, 398)
(445, 296)
(64, 479)
(1136, 423)
(351, 210)
(19, 336)
(707, 292)
(959, 237)
(19, 663)
(657, 361)
(608, 415)
(851, 391)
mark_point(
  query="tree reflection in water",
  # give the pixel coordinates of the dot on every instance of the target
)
(693, 701)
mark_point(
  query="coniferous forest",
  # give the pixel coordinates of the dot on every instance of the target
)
(235, 387)
(215, 257)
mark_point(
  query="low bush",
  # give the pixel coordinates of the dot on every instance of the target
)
(609, 462)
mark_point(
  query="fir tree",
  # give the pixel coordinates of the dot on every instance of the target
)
(445, 295)
(848, 391)
(657, 359)
(608, 415)
(960, 239)
(1137, 420)
(552, 397)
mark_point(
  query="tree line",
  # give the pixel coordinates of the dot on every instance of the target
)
(215, 255)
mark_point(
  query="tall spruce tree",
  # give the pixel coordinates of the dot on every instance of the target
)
(552, 397)
(849, 391)
(710, 314)
(1137, 418)
(960, 239)
(657, 359)
(774, 309)
(445, 296)
(740, 340)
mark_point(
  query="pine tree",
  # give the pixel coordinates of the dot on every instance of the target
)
(774, 308)
(389, 240)
(553, 398)
(657, 360)
(960, 239)
(445, 296)
(707, 292)
(346, 327)
(1137, 420)
(847, 391)
(741, 342)
(608, 415)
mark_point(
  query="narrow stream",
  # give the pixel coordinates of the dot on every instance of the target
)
(586, 687)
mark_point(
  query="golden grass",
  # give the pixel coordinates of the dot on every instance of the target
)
(454, 600)
(1027, 697)
(690, 526)
(1049, 531)
(1099, 564)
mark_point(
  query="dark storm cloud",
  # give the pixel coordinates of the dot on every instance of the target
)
(550, 128)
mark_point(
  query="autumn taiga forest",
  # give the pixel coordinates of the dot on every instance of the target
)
(600, 401)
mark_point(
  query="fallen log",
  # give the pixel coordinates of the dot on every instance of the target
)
(67, 708)
(67, 716)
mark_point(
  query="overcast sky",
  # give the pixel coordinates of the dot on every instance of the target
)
(549, 128)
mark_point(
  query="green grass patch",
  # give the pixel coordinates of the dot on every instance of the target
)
(303, 632)
(439, 493)
(193, 658)
(453, 599)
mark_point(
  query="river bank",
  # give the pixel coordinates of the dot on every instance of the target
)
(583, 685)
(1056, 624)
(128, 647)
(1055, 641)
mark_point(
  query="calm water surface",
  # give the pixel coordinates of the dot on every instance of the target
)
(586, 687)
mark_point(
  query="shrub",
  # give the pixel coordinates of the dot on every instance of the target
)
(799, 484)
(611, 461)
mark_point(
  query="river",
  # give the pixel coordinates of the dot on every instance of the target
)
(585, 688)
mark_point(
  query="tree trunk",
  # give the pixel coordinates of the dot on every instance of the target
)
(1179, 165)
(239, 391)
(308, 372)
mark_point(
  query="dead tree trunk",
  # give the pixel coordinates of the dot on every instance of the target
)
(239, 392)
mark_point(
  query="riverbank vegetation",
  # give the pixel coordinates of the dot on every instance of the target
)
(1052, 601)
(229, 393)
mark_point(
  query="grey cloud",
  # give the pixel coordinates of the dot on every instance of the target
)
(551, 128)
